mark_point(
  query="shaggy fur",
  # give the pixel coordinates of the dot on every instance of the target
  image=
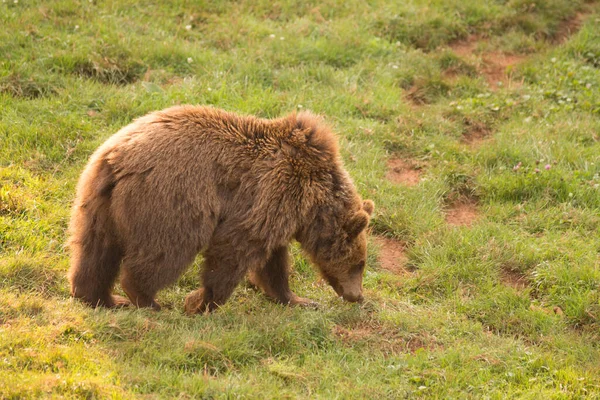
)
(238, 189)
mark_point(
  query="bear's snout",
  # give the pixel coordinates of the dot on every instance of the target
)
(353, 298)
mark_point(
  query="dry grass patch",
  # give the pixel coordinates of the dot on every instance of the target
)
(386, 339)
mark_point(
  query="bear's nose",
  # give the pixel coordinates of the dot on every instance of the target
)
(354, 298)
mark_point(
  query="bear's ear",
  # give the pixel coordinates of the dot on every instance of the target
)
(356, 224)
(369, 206)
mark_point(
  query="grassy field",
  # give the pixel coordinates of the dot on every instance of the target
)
(474, 125)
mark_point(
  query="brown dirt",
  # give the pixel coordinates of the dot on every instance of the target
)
(403, 172)
(569, 27)
(475, 133)
(496, 67)
(513, 279)
(465, 48)
(392, 256)
(462, 213)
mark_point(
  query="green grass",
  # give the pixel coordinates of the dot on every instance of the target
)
(384, 74)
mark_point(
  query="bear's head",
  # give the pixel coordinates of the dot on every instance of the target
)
(336, 243)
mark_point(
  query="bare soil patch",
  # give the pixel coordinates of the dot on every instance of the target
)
(465, 48)
(569, 27)
(403, 172)
(392, 255)
(475, 133)
(513, 279)
(496, 67)
(462, 213)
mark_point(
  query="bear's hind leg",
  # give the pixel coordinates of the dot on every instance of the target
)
(95, 261)
(273, 279)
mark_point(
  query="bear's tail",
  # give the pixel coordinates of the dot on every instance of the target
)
(95, 251)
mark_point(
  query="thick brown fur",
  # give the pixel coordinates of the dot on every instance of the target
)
(236, 188)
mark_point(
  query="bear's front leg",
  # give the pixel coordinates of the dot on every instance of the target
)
(273, 279)
(222, 271)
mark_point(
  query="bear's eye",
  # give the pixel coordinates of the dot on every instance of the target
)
(358, 268)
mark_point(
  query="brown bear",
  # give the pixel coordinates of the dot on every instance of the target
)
(238, 189)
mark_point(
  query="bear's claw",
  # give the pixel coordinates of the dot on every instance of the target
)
(119, 301)
(303, 302)
(194, 302)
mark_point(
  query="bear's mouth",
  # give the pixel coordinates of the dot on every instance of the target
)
(339, 289)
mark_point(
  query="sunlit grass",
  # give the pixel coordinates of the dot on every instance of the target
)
(506, 307)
